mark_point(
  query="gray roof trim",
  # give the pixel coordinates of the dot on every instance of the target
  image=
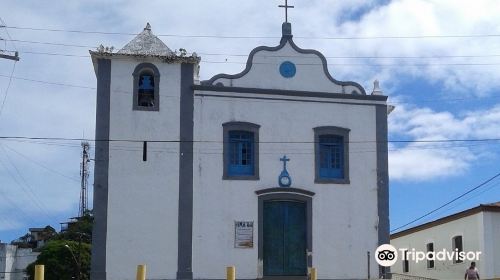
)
(194, 59)
(283, 42)
(285, 190)
(294, 93)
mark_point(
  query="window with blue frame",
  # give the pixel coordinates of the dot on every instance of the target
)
(331, 156)
(241, 153)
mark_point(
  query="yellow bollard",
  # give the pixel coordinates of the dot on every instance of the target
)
(314, 276)
(141, 272)
(39, 272)
(231, 273)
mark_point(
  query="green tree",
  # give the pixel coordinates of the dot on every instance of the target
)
(81, 228)
(61, 262)
(65, 250)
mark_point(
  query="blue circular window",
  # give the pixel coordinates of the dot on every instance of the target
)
(288, 69)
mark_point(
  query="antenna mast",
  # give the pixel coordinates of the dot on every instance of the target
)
(84, 174)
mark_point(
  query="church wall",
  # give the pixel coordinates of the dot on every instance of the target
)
(143, 195)
(344, 215)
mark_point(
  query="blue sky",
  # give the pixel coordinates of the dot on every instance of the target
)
(443, 88)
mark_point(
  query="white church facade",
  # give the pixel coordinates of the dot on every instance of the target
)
(273, 170)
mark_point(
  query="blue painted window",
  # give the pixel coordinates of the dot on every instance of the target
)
(331, 156)
(241, 153)
(146, 88)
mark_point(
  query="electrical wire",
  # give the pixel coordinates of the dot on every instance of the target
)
(260, 142)
(259, 37)
(273, 101)
(448, 203)
(263, 150)
(4, 25)
(432, 217)
(298, 56)
(51, 43)
(10, 201)
(28, 190)
(7, 89)
(331, 64)
(42, 165)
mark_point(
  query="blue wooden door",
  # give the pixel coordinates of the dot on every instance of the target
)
(284, 228)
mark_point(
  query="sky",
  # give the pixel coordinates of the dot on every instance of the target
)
(437, 60)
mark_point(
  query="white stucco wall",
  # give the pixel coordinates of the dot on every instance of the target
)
(344, 215)
(491, 262)
(143, 196)
(310, 75)
(14, 261)
(7, 254)
(471, 230)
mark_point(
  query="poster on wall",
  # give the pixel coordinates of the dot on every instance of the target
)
(243, 234)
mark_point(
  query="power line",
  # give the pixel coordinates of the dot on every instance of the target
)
(363, 64)
(14, 57)
(10, 201)
(260, 37)
(8, 87)
(7, 32)
(218, 141)
(51, 43)
(42, 165)
(77, 86)
(8, 221)
(49, 83)
(337, 64)
(300, 57)
(173, 96)
(30, 193)
(218, 150)
(470, 198)
(449, 202)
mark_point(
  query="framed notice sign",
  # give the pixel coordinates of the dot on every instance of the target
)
(243, 234)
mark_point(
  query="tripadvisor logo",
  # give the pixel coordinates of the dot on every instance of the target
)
(387, 255)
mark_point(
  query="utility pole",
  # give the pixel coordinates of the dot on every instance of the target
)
(3, 53)
(14, 57)
(84, 173)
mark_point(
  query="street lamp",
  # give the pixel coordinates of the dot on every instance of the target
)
(76, 261)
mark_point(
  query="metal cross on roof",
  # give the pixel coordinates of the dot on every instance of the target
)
(286, 9)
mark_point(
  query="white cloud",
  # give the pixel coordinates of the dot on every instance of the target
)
(425, 161)
(422, 18)
(420, 163)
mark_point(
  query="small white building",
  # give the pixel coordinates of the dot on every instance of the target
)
(473, 230)
(14, 261)
(273, 170)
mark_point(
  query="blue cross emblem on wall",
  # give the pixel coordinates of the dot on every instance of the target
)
(284, 179)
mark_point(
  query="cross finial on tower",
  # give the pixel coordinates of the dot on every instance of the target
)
(286, 6)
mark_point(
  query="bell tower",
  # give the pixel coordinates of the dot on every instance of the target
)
(144, 121)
